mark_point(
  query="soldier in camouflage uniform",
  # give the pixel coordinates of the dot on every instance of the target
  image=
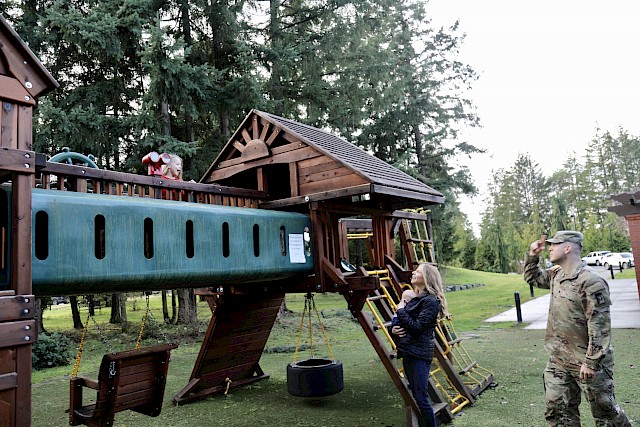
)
(578, 336)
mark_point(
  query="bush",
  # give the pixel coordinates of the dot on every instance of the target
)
(50, 351)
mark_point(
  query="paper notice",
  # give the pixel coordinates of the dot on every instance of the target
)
(296, 249)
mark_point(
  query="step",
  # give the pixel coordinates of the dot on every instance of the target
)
(419, 240)
(385, 325)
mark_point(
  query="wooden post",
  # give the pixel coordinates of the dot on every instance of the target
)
(15, 353)
(634, 232)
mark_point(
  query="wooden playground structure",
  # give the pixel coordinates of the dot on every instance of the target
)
(309, 182)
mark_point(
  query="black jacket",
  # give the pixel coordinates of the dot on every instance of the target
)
(419, 319)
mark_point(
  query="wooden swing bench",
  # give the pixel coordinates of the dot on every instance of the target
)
(133, 379)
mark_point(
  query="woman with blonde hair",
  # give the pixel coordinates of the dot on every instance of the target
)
(417, 321)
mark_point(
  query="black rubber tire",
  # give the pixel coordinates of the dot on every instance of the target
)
(315, 378)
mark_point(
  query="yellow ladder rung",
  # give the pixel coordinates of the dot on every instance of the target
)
(355, 236)
(381, 322)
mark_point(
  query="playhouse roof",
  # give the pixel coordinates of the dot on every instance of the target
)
(377, 170)
(353, 167)
(17, 61)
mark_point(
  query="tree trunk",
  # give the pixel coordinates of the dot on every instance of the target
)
(188, 39)
(165, 308)
(92, 309)
(283, 310)
(174, 307)
(224, 125)
(115, 309)
(75, 313)
(276, 77)
(164, 115)
(123, 312)
(187, 308)
(38, 315)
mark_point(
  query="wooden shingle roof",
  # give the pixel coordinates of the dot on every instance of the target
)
(373, 168)
(264, 139)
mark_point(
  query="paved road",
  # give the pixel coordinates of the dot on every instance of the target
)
(625, 308)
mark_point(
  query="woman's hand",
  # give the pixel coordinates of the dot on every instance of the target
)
(399, 331)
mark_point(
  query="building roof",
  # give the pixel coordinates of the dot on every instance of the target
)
(265, 139)
(376, 170)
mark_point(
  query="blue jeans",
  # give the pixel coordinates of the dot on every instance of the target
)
(417, 373)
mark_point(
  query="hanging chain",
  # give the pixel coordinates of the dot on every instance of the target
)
(308, 300)
(102, 336)
(144, 320)
(324, 333)
(76, 365)
(148, 316)
(309, 305)
(304, 312)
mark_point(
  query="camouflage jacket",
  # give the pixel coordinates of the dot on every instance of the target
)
(579, 324)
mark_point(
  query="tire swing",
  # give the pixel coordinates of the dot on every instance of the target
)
(314, 377)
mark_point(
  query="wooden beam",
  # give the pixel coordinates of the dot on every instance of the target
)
(273, 136)
(20, 161)
(293, 179)
(105, 175)
(25, 127)
(254, 127)
(287, 157)
(16, 307)
(416, 195)
(238, 146)
(8, 381)
(9, 125)
(265, 130)
(246, 136)
(21, 333)
(274, 151)
(12, 90)
(262, 180)
(333, 273)
(325, 195)
(21, 234)
(345, 181)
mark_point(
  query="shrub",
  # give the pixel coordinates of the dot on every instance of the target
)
(50, 351)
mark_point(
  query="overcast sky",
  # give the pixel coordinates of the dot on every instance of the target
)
(551, 73)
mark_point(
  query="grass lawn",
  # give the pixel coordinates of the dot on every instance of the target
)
(515, 356)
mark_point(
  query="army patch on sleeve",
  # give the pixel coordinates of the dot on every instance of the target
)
(600, 299)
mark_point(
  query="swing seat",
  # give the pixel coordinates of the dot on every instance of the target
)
(133, 379)
(315, 378)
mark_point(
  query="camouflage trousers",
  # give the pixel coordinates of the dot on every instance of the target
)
(563, 389)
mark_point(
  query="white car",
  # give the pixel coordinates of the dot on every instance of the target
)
(617, 259)
(595, 258)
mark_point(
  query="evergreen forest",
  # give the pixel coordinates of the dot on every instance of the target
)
(178, 76)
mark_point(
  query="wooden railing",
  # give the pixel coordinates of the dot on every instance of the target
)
(89, 180)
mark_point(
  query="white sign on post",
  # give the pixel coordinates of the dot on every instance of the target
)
(296, 249)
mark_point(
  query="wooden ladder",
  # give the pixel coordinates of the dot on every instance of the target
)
(416, 236)
(382, 305)
(474, 377)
